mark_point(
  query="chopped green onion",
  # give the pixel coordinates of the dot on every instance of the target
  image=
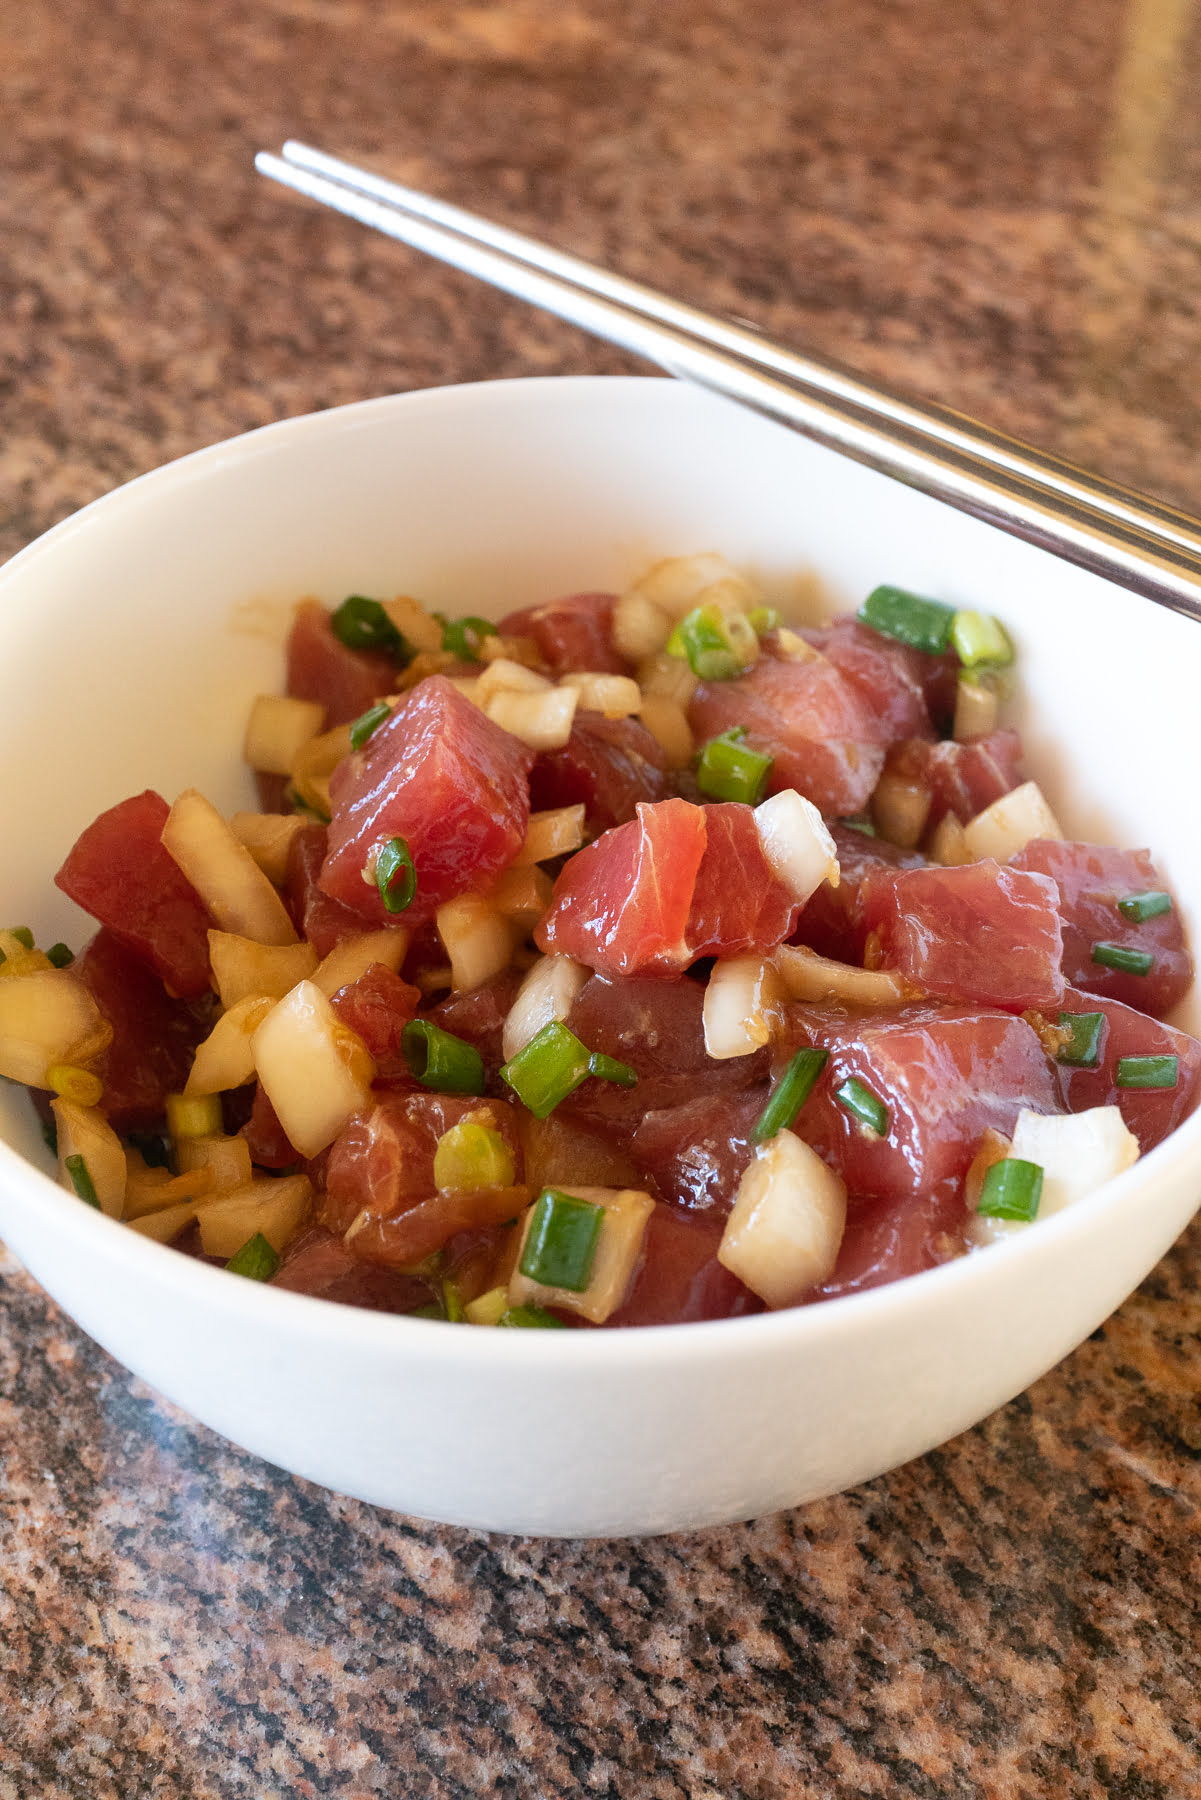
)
(362, 624)
(452, 1300)
(607, 1068)
(60, 956)
(1083, 1048)
(548, 1068)
(1012, 1190)
(431, 1310)
(257, 1259)
(81, 1179)
(22, 934)
(859, 822)
(440, 1060)
(50, 1136)
(299, 804)
(863, 1105)
(1148, 1071)
(728, 770)
(1127, 962)
(718, 645)
(762, 619)
(462, 637)
(910, 618)
(560, 1245)
(527, 1317)
(366, 723)
(472, 1156)
(1138, 907)
(395, 876)
(977, 638)
(789, 1094)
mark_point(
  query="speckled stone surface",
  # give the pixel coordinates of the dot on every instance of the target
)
(994, 204)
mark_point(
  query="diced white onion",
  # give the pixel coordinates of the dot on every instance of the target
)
(667, 722)
(551, 833)
(164, 1226)
(226, 1160)
(47, 1017)
(800, 851)
(617, 1251)
(225, 1059)
(504, 676)
(541, 720)
(742, 1001)
(545, 996)
(948, 846)
(418, 627)
(315, 762)
(792, 647)
(275, 1206)
(477, 938)
(223, 872)
(522, 895)
(785, 1228)
(241, 967)
(640, 627)
(315, 1071)
(277, 727)
(677, 583)
(84, 1131)
(668, 677)
(617, 696)
(976, 708)
(807, 976)
(268, 837)
(1077, 1153)
(1010, 823)
(353, 956)
(900, 809)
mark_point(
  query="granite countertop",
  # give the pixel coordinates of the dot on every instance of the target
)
(993, 205)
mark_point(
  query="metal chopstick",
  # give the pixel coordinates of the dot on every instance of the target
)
(1132, 539)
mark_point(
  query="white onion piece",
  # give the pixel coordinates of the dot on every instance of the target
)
(617, 1250)
(1077, 1153)
(241, 967)
(544, 997)
(785, 1228)
(551, 833)
(522, 895)
(677, 583)
(277, 727)
(223, 872)
(353, 956)
(268, 837)
(274, 1205)
(315, 1071)
(542, 720)
(742, 1001)
(668, 677)
(84, 1131)
(640, 627)
(976, 708)
(47, 1017)
(617, 696)
(808, 976)
(417, 626)
(504, 676)
(667, 722)
(800, 851)
(948, 846)
(225, 1059)
(477, 938)
(1010, 823)
(900, 809)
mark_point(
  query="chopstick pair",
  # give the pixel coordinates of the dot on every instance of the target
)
(1140, 543)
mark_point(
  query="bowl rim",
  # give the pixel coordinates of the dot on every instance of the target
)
(723, 1339)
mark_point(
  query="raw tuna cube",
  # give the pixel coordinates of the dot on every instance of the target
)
(154, 1036)
(607, 765)
(573, 633)
(119, 872)
(738, 906)
(321, 668)
(383, 1160)
(825, 740)
(444, 778)
(378, 1006)
(1091, 879)
(324, 922)
(832, 921)
(963, 778)
(696, 1154)
(1151, 1113)
(478, 1014)
(944, 1074)
(318, 1263)
(680, 1279)
(979, 934)
(886, 1239)
(890, 676)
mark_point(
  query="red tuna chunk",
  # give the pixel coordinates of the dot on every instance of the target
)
(738, 906)
(821, 731)
(964, 777)
(383, 1160)
(607, 765)
(832, 921)
(1091, 879)
(1150, 1113)
(378, 1006)
(886, 1239)
(154, 1036)
(444, 778)
(318, 1263)
(573, 633)
(321, 668)
(119, 872)
(697, 1153)
(945, 1074)
(324, 922)
(979, 934)
(680, 1279)
(891, 677)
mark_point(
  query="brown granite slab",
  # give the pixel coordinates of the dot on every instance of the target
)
(998, 205)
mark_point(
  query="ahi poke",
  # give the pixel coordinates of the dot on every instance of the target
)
(633, 959)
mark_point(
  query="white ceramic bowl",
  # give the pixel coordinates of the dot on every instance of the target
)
(133, 638)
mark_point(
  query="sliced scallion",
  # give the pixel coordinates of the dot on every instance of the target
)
(979, 639)
(1012, 1190)
(81, 1179)
(1137, 907)
(23, 935)
(548, 1068)
(441, 1061)
(395, 876)
(366, 723)
(470, 1155)
(257, 1259)
(1147, 1071)
(789, 1094)
(859, 822)
(729, 770)
(362, 624)
(527, 1318)
(910, 618)
(452, 1301)
(463, 637)
(1124, 960)
(762, 619)
(718, 645)
(1083, 1048)
(60, 956)
(560, 1245)
(863, 1105)
(607, 1068)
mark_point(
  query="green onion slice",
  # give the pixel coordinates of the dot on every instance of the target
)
(1012, 1190)
(858, 822)
(560, 1245)
(257, 1259)
(1138, 907)
(463, 637)
(60, 956)
(441, 1061)
(863, 1105)
(22, 934)
(362, 624)
(299, 804)
(607, 1068)
(1147, 1071)
(729, 770)
(81, 1179)
(1083, 1049)
(548, 1068)
(979, 639)
(470, 1155)
(531, 1317)
(762, 619)
(789, 1094)
(395, 876)
(366, 723)
(718, 645)
(910, 618)
(452, 1301)
(1126, 961)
